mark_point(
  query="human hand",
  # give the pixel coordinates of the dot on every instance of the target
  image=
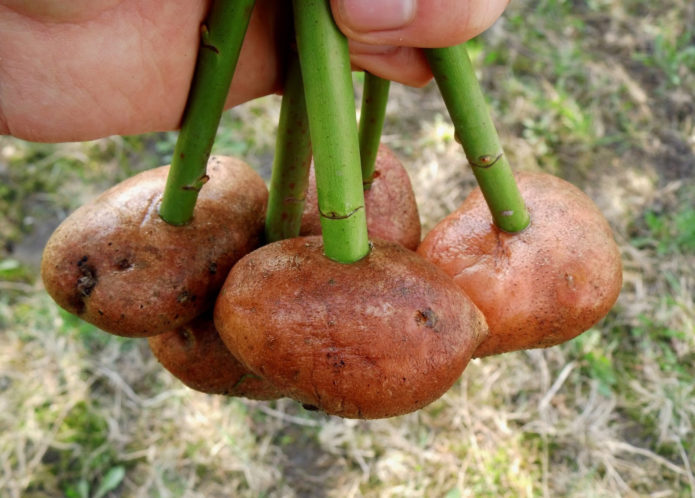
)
(84, 69)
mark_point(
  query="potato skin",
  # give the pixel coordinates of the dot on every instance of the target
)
(390, 205)
(540, 287)
(195, 354)
(381, 337)
(115, 263)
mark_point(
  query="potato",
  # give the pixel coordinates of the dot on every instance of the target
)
(377, 338)
(390, 204)
(542, 286)
(195, 354)
(115, 263)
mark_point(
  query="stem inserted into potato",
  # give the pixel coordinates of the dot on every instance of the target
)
(325, 66)
(476, 132)
(292, 160)
(220, 44)
(374, 98)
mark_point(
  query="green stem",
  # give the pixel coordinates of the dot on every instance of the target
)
(221, 38)
(325, 64)
(475, 130)
(374, 98)
(292, 161)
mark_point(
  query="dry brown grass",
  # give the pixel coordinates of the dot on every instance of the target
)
(611, 413)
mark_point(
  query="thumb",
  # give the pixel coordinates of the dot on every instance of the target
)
(415, 23)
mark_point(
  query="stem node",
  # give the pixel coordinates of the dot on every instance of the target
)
(487, 161)
(337, 216)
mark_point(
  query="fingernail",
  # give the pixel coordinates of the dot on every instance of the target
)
(377, 15)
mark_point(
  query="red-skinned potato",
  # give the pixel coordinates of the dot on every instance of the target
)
(195, 354)
(390, 205)
(116, 264)
(542, 286)
(381, 337)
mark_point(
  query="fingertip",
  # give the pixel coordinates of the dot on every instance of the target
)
(416, 23)
(364, 16)
(404, 65)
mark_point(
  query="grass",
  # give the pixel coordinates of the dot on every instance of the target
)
(598, 92)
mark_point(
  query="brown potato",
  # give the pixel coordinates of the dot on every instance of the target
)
(115, 263)
(195, 354)
(390, 204)
(542, 286)
(377, 338)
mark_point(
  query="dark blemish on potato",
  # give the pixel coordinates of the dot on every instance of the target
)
(186, 296)
(570, 281)
(88, 278)
(212, 267)
(187, 337)
(426, 317)
(124, 264)
(337, 363)
(310, 408)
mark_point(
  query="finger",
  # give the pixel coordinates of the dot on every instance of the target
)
(415, 23)
(405, 65)
(126, 71)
